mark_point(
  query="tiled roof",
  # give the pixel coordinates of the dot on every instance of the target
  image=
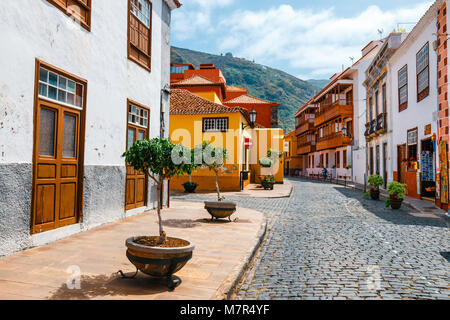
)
(195, 81)
(185, 102)
(234, 88)
(246, 99)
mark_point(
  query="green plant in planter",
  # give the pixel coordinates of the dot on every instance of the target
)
(212, 158)
(160, 159)
(273, 154)
(396, 190)
(348, 167)
(376, 181)
(268, 178)
(266, 162)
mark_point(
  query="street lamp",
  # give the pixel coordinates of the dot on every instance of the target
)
(253, 115)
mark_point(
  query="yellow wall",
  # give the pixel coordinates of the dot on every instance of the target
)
(211, 96)
(182, 129)
(267, 139)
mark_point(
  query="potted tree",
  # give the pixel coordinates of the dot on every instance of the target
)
(159, 256)
(214, 158)
(375, 181)
(189, 187)
(268, 182)
(397, 192)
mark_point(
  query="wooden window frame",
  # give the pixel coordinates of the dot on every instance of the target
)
(87, 7)
(136, 127)
(82, 136)
(426, 91)
(215, 118)
(150, 37)
(402, 106)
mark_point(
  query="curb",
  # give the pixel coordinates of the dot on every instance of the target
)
(228, 287)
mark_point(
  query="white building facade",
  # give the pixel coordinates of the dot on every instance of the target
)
(78, 85)
(415, 108)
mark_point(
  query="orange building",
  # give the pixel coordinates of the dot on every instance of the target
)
(267, 111)
(209, 82)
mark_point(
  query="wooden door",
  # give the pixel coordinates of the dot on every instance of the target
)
(136, 182)
(56, 167)
(402, 163)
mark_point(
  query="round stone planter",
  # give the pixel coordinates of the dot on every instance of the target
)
(396, 204)
(160, 262)
(375, 194)
(220, 210)
(190, 187)
(267, 185)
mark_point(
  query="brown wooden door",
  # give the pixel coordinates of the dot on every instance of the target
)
(56, 167)
(402, 163)
(136, 182)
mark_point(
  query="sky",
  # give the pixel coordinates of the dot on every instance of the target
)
(310, 39)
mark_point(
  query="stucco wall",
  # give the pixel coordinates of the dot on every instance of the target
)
(418, 114)
(44, 32)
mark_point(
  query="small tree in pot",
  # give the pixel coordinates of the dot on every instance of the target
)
(214, 159)
(397, 192)
(190, 186)
(159, 256)
(375, 181)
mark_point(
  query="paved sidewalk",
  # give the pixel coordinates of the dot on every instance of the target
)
(222, 250)
(252, 190)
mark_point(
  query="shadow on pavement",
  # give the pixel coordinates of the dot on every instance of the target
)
(401, 217)
(111, 286)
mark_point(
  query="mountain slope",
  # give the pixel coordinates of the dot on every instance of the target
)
(261, 81)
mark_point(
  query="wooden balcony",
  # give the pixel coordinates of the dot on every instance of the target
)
(341, 108)
(304, 126)
(306, 148)
(333, 141)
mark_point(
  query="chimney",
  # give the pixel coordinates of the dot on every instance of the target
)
(207, 66)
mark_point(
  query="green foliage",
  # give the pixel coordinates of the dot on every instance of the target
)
(155, 158)
(268, 178)
(367, 195)
(274, 154)
(261, 81)
(208, 156)
(396, 188)
(388, 202)
(266, 162)
(190, 184)
(376, 181)
(348, 167)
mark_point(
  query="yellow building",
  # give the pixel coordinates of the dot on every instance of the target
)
(292, 162)
(194, 119)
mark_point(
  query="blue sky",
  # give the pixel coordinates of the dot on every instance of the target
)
(308, 39)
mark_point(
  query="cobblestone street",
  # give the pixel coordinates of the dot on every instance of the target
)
(328, 242)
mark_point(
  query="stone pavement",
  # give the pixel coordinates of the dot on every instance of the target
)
(222, 250)
(327, 242)
(252, 190)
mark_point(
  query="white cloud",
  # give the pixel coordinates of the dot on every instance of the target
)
(195, 18)
(317, 43)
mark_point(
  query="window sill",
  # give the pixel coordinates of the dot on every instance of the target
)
(149, 69)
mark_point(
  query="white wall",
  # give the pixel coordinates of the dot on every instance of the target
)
(36, 29)
(418, 114)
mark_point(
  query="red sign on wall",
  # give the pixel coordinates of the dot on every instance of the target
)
(248, 143)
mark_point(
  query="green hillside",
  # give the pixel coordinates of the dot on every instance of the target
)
(261, 81)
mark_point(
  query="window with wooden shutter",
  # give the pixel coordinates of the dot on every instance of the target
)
(423, 73)
(79, 10)
(140, 32)
(403, 88)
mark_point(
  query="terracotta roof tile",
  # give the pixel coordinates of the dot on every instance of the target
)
(235, 89)
(246, 99)
(195, 81)
(185, 102)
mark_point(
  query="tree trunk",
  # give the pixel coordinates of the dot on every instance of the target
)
(158, 210)
(217, 186)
